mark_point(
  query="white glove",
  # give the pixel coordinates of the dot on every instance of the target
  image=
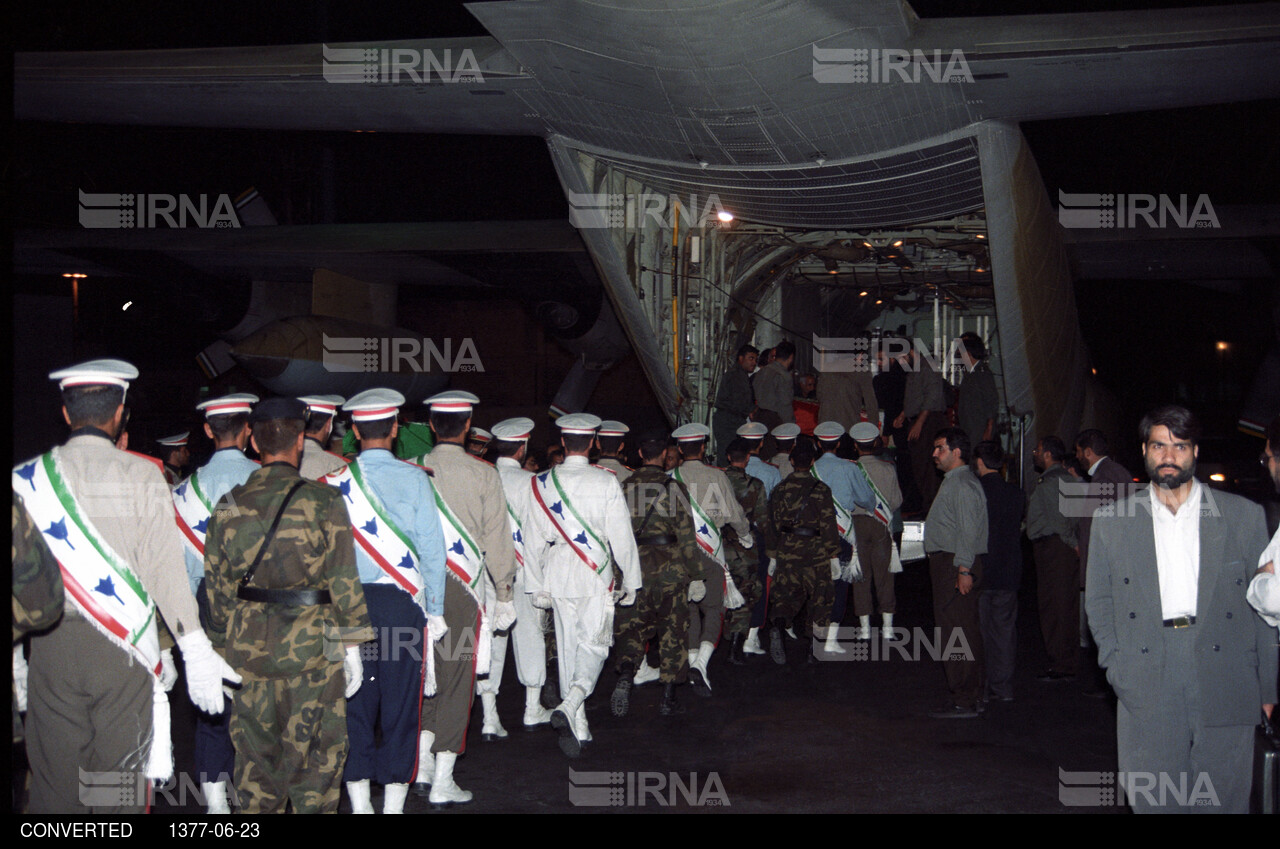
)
(836, 569)
(732, 598)
(206, 671)
(697, 591)
(352, 670)
(773, 566)
(436, 627)
(504, 615)
(20, 678)
(746, 540)
(624, 598)
(541, 600)
(168, 672)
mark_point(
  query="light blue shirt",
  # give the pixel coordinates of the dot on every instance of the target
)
(226, 470)
(848, 485)
(768, 474)
(406, 495)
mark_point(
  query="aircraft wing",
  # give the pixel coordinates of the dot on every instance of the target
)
(468, 85)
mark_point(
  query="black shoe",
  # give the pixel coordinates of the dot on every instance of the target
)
(568, 742)
(421, 788)
(669, 706)
(700, 685)
(777, 648)
(620, 701)
(736, 655)
(550, 694)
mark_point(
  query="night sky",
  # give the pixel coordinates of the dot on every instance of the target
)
(1153, 342)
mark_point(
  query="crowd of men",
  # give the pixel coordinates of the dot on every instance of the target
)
(351, 608)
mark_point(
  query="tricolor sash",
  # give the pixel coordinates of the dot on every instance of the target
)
(375, 532)
(710, 538)
(194, 510)
(465, 564)
(844, 518)
(582, 540)
(101, 585)
(517, 535)
(882, 511)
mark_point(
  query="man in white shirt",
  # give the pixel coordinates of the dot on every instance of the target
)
(1264, 591)
(1190, 663)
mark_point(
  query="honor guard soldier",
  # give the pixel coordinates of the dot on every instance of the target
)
(583, 520)
(672, 575)
(610, 438)
(289, 607)
(753, 434)
(317, 459)
(400, 559)
(510, 445)
(850, 490)
(803, 545)
(872, 539)
(226, 422)
(713, 505)
(785, 437)
(477, 597)
(478, 441)
(97, 702)
(744, 564)
(176, 455)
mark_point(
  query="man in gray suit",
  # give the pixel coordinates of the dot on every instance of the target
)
(1190, 662)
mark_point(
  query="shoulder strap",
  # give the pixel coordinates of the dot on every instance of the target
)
(266, 541)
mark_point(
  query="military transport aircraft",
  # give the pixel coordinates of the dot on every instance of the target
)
(717, 157)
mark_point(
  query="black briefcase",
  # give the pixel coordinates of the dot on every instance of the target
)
(1266, 769)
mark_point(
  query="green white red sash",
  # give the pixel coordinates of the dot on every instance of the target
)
(882, 512)
(582, 540)
(375, 532)
(465, 564)
(710, 538)
(844, 517)
(517, 535)
(99, 581)
(194, 510)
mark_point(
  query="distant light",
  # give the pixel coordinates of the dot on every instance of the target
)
(898, 244)
(127, 304)
(703, 164)
(1095, 371)
(75, 275)
(1218, 478)
(979, 270)
(867, 244)
(1223, 346)
(879, 302)
(862, 294)
(725, 215)
(981, 236)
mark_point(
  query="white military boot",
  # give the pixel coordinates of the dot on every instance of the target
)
(580, 728)
(832, 644)
(358, 792)
(492, 728)
(443, 789)
(393, 797)
(886, 629)
(698, 668)
(215, 797)
(645, 674)
(864, 628)
(752, 645)
(426, 762)
(535, 715)
(564, 720)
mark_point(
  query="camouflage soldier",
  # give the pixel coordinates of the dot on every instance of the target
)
(286, 605)
(610, 438)
(744, 563)
(37, 583)
(672, 573)
(803, 546)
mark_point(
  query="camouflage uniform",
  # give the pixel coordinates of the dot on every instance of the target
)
(288, 721)
(744, 563)
(37, 581)
(803, 503)
(661, 608)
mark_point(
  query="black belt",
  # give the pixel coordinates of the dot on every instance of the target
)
(299, 598)
(1180, 622)
(800, 532)
(657, 539)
